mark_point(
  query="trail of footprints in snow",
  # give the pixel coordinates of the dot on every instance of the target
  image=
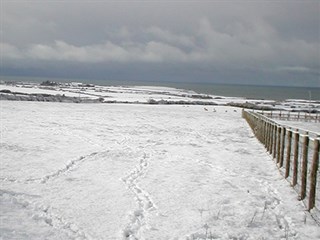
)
(46, 178)
(44, 213)
(25, 181)
(67, 167)
(145, 204)
(272, 203)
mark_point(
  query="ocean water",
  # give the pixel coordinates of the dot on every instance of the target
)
(254, 92)
(228, 90)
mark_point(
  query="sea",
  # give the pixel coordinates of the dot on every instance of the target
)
(217, 89)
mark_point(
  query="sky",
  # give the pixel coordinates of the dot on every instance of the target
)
(232, 42)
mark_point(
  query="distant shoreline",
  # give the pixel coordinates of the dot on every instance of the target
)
(220, 89)
(77, 92)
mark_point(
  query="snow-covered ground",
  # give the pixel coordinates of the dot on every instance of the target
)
(41, 90)
(116, 171)
(303, 125)
(145, 94)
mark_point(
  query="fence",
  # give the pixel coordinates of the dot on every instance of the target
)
(292, 116)
(296, 153)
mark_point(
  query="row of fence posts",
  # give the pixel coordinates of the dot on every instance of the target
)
(273, 136)
(293, 116)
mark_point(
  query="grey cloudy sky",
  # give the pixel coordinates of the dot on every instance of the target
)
(249, 42)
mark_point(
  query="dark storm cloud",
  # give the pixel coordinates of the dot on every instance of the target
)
(255, 41)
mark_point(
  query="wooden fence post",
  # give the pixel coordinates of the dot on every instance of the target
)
(278, 143)
(313, 176)
(275, 141)
(288, 154)
(304, 167)
(295, 158)
(265, 137)
(268, 136)
(260, 130)
(283, 142)
(271, 138)
(265, 134)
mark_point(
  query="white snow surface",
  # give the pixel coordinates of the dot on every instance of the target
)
(143, 94)
(43, 90)
(303, 125)
(115, 171)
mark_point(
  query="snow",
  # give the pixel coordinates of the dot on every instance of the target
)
(37, 90)
(145, 94)
(116, 171)
(303, 125)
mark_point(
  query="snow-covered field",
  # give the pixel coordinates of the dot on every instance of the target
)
(116, 171)
(303, 125)
(146, 94)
